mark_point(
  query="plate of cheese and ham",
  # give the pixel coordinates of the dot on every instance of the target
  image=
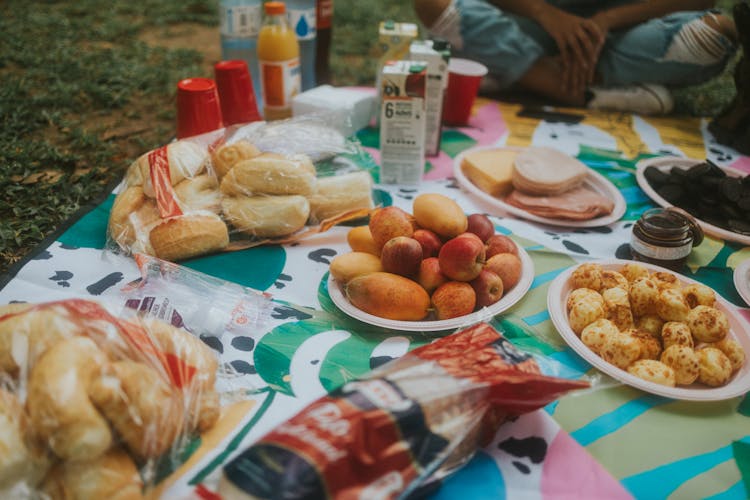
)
(539, 184)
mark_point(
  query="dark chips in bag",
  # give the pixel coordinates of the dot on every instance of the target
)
(383, 435)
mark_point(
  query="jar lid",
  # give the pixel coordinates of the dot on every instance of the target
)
(695, 228)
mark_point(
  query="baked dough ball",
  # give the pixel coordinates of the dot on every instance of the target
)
(650, 345)
(664, 280)
(20, 459)
(650, 323)
(225, 157)
(653, 371)
(583, 295)
(596, 335)
(733, 350)
(621, 350)
(184, 160)
(699, 295)
(198, 193)
(187, 236)
(583, 314)
(684, 361)
(643, 295)
(612, 279)
(267, 216)
(271, 174)
(671, 305)
(587, 276)
(707, 324)
(715, 367)
(617, 307)
(676, 333)
(633, 271)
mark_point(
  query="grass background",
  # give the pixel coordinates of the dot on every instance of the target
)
(88, 86)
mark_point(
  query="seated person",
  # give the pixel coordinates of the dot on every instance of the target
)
(606, 54)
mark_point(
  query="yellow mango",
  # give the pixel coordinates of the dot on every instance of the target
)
(360, 240)
(389, 296)
(346, 266)
(440, 214)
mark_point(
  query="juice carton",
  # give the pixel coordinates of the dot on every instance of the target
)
(437, 55)
(402, 122)
(393, 41)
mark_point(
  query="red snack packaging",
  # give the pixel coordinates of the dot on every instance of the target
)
(383, 435)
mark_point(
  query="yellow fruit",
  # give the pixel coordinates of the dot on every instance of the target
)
(440, 214)
(360, 240)
(389, 296)
(346, 266)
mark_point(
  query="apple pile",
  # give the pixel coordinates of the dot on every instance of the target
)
(437, 261)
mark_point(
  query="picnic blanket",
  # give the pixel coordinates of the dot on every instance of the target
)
(611, 442)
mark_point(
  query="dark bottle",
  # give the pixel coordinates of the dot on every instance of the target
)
(665, 237)
(324, 20)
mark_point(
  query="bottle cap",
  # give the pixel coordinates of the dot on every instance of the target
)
(198, 109)
(236, 93)
(274, 8)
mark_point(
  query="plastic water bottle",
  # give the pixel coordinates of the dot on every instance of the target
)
(301, 15)
(239, 28)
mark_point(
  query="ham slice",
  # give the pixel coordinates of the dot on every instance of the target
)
(580, 203)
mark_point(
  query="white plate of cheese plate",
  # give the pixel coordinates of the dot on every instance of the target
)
(594, 181)
(338, 295)
(738, 384)
(742, 280)
(665, 164)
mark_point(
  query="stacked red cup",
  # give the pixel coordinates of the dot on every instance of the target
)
(236, 92)
(198, 108)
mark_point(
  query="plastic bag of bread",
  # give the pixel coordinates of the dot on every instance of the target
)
(383, 435)
(237, 188)
(92, 404)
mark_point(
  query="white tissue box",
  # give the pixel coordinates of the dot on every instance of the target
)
(356, 107)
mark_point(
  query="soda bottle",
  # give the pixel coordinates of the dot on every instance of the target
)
(324, 19)
(278, 57)
(240, 22)
(302, 15)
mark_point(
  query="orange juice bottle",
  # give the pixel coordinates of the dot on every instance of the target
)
(278, 57)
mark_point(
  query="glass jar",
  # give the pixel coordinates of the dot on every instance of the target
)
(665, 237)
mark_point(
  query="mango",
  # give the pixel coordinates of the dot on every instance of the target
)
(346, 266)
(440, 214)
(389, 296)
(360, 240)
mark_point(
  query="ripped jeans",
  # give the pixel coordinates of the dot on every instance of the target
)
(677, 49)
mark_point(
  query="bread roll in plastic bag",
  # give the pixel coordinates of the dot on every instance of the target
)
(383, 435)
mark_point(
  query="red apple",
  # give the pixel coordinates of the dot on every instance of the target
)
(401, 255)
(453, 299)
(507, 266)
(500, 243)
(430, 276)
(430, 242)
(388, 223)
(488, 287)
(462, 258)
(470, 235)
(481, 225)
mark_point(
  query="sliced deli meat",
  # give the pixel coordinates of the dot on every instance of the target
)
(547, 171)
(580, 203)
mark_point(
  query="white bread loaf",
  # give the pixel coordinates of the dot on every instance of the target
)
(339, 193)
(271, 174)
(267, 216)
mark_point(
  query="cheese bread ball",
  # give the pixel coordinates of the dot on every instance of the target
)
(583, 295)
(715, 367)
(617, 307)
(671, 305)
(596, 335)
(587, 276)
(650, 346)
(621, 350)
(653, 371)
(633, 271)
(707, 324)
(612, 279)
(733, 351)
(664, 280)
(699, 295)
(643, 296)
(650, 323)
(583, 314)
(684, 361)
(676, 333)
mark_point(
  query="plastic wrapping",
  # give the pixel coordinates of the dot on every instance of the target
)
(383, 435)
(240, 187)
(95, 406)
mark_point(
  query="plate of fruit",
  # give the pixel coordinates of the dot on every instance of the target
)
(434, 270)
(652, 329)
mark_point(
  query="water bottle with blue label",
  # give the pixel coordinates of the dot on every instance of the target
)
(301, 15)
(240, 22)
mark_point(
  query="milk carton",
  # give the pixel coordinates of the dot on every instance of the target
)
(394, 40)
(402, 122)
(436, 54)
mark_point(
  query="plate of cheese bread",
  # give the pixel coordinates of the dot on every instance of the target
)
(539, 184)
(652, 329)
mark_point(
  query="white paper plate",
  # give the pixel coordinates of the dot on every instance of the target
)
(666, 163)
(742, 280)
(335, 290)
(594, 181)
(557, 296)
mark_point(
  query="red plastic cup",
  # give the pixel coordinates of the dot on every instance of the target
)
(464, 77)
(236, 92)
(198, 109)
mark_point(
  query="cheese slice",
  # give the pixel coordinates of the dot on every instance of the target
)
(491, 170)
